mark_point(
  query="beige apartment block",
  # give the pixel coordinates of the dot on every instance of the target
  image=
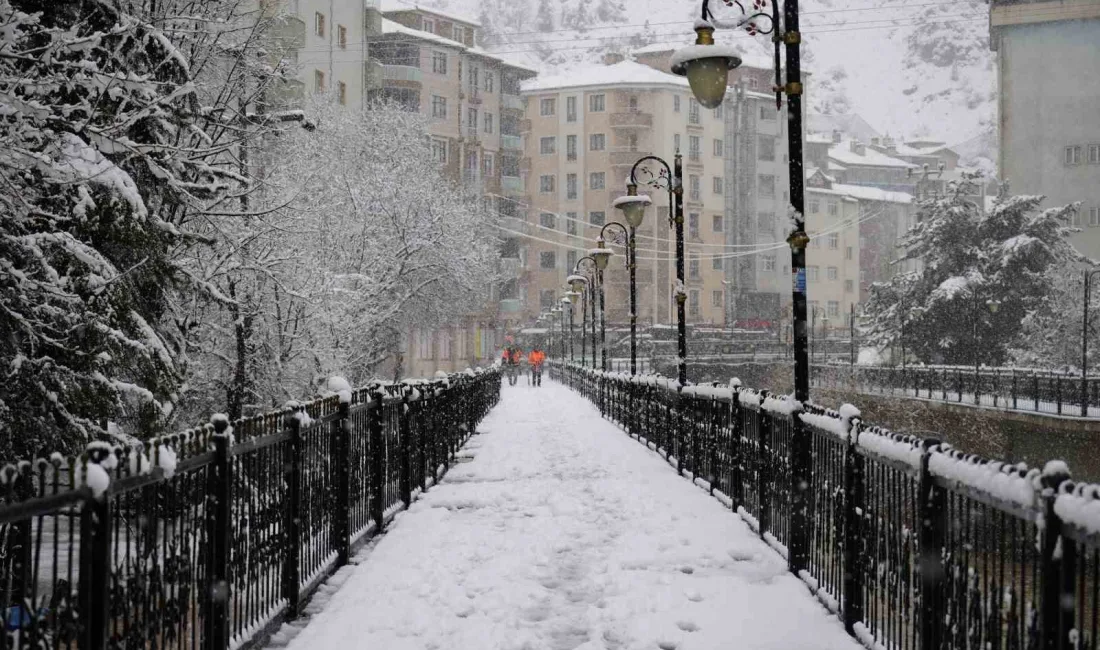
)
(832, 258)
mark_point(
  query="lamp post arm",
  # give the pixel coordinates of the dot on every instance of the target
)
(626, 233)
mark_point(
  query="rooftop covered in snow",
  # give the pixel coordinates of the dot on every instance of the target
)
(842, 152)
(391, 6)
(393, 27)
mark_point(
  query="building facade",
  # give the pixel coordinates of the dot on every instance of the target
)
(1048, 72)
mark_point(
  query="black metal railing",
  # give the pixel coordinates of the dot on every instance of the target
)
(212, 538)
(911, 543)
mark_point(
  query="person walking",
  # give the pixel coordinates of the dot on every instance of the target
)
(510, 358)
(535, 359)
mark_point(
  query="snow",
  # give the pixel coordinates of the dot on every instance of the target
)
(784, 405)
(563, 532)
(624, 73)
(624, 200)
(401, 5)
(843, 154)
(166, 460)
(1080, 507)
(1009, 483)
(894, 446)
(682, 56)
(826, 423)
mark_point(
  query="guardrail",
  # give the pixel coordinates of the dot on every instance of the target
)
(910, 542)
(213, 537)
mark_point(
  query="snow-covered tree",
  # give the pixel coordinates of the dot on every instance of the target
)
(980, 275)
(544, 19)
(1051, 335)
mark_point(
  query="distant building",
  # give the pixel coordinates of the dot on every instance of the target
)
(832, 258)
(1048, 73)
(851, 126)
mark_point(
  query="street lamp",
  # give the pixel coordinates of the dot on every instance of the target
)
(597, 253)
(555, 312)
(1085, 346)
(592, 284)
(670, 178)
(633, 209)
(602, 255)
(706, 64)
(568, 302)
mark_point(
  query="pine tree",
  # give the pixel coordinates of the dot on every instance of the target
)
(971, 262)
(544, 20)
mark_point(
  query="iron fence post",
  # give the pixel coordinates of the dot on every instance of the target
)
(377, 462)
(292, 571)
(932, 513)
(220, 496)
(404, 479)
(95, 566)
(737, 477)
(1057, 567)
(712, 443)
(341, 451)
(764, 469)
(854, 507)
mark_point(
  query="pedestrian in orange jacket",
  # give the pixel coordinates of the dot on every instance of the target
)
(535, 360)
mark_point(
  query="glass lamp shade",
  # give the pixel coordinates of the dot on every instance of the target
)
(577, 282)
(633, 208)
(706, 66)
(573, 296)
(601, 255)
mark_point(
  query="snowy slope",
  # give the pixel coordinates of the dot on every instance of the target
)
(910, 69)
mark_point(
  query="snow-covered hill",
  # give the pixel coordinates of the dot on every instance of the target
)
(911, 69)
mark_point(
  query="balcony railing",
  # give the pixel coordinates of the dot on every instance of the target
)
(511, 306)
(626, 156)
(401, 73)
(632, 119)
(512, 102)
(511, 142)
(511, 184)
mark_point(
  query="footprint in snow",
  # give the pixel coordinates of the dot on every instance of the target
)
(667, 644)
(687, 626)
(686, 569)
(741, 555)
(694, 596)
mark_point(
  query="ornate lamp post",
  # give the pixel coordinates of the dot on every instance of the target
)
(670, 178)
(593, 283)
(633, 209)
(568, 302)
(602, 255)
(578, 283)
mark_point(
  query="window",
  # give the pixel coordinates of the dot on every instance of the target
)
(765, 222)
(769, 262)
(596, 218)
(716, 298)
(693, 111)
(718, 112)
(834, 240)
(487, 163)
(767, 185)
(342, 93)
(716, 263)
(815, 206)
(459, 33)
(547, 107)
(319, 23)
(693, 302)
(319, 81)
(439, 62)
(570, 109)
(439, 151)
(752, 82)
(548, 145)
(717, 223)
(719, 149)
(862, 241)
(676, 103)
(766, 148)
(547, 260)
(597, 141)
(546, 299)
(428, 26)
(571, 223)
(718, 185)
(693, 265)
(832, 273)
(693, 225)
(488, 122)
(571, 261)
(834, 308)
(767, 113)
(546, 219)
(596, 103)
(1094, 154)
(423, 344)
(849, 286)
(1073, 155)
(1094, 217)
(444, 345)
(693, 185)
(676, 142)
(862, 275)
(693, 147)
(848, 253)
(834, 208)
(439, 107)
(811, 273)
(570, 186)
(570, 147)
(471, 119)
(546, 183)
(489, 82)
(596, 181)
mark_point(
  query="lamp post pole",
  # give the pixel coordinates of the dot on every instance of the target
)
(672, 179)
(1085, 346)
(633, 209)
(602, 255)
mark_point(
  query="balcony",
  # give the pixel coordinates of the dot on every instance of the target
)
(626, 157)
(473, 95)
(511, 102)
(510, 267)
(511, 306)
(471, 133)
(511, 184)
(401, 73)
(511, 142)
(632, 119)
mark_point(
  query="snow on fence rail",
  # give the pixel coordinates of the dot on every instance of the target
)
(212, 537)
(917, 544)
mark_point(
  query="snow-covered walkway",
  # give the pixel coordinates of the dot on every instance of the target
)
(562, 533)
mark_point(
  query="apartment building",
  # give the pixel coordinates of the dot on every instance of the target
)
(832, 258)
(1048, 72)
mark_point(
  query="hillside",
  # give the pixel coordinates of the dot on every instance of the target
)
(911, 69)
